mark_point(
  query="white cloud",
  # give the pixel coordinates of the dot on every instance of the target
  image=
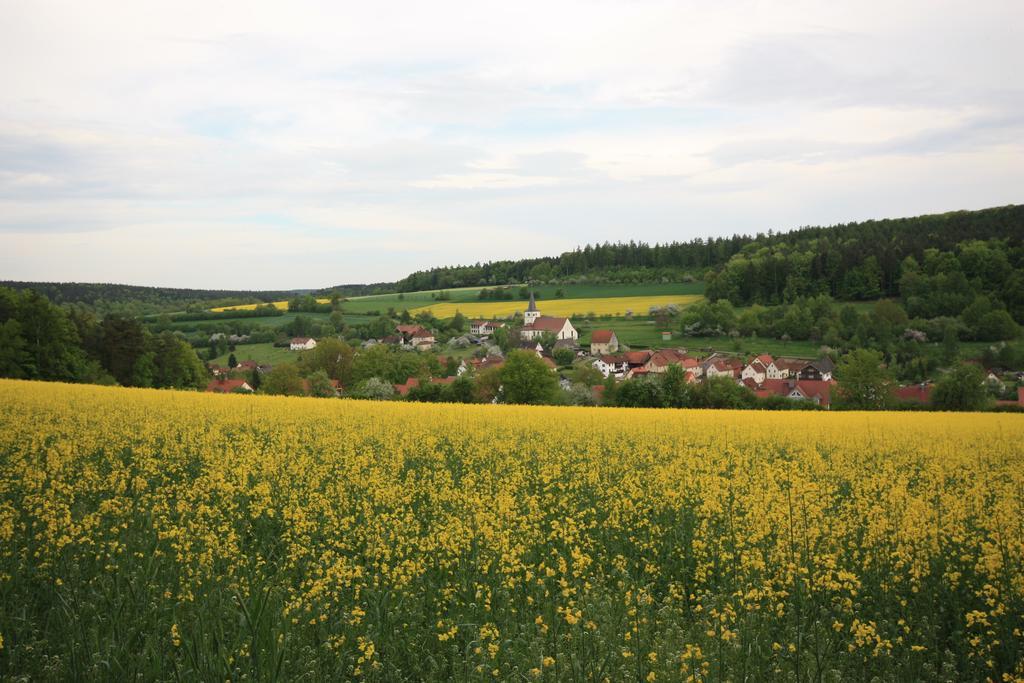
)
(329, 142)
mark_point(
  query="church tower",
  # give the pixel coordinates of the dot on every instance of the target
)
(531, 313)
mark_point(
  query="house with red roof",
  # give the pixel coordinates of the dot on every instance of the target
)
(403, 389)
(612, 366)
(816, 391)
(222, 385)
(603, 342)
(722, 366)
(757, 369)
(914, 393)
(661, 360)
(416, 336)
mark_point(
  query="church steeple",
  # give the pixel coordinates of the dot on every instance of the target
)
(531, 313)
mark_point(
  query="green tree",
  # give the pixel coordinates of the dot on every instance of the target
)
(962, 388)
(284, 380)
(675, 388)
(950, 344)
(864, 383)
(564, 356)
(502, 339)
(255, 379)
(51, 341)
(458, 323)
(459, 391)
(124, 342)
(587, 375)
(333, 356)
(374, 389)
(232, 361)
(14, 359)
(176, 363)
(527, 379)
(320, 385)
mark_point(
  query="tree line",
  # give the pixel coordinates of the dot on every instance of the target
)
(40, 340)
(855, 260)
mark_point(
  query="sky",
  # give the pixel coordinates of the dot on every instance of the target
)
(251, 145)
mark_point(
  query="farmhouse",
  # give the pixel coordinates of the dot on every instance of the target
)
(757, 369)
(302, 344)
(416, 336)
(537, 325)
(717, 365)
(819, 392)
(223, 385)
(612, 366)
(484, 328)
(603, 342)
(661, 360)
(914, 393)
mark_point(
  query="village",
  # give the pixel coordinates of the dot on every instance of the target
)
(798, 379)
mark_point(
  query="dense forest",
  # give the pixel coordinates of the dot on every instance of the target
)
(41, 340)
(138, 300)
(843, 261)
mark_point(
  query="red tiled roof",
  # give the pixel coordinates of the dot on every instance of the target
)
(226, 386)
(638, 357)
(601, 336)
(403, 389)
(1020, 395)
(442, 380)
(546, 324)
(670, 357)
(795, 364)
(301, 340)
(413, 331)
(813, 389)
(916, 393)
(765, 359)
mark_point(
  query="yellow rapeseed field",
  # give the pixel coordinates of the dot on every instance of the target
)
(610, 306)
(280, 305)
(167, 535)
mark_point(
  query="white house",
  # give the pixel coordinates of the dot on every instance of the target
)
(612, 365)
(603, 342)
(416, 335)
(757, 369)
(302, 344)
(484, 328)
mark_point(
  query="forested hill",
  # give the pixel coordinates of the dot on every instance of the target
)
(808, 260)
(106, 297)
(864, 261)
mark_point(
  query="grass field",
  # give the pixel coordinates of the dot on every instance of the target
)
(162, 535)
(261, 353)
(646, 334)
(268, 321)
(610, 306)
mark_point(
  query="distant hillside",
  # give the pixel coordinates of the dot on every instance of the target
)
(105, 296)
(808, 260)
(98, 294)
